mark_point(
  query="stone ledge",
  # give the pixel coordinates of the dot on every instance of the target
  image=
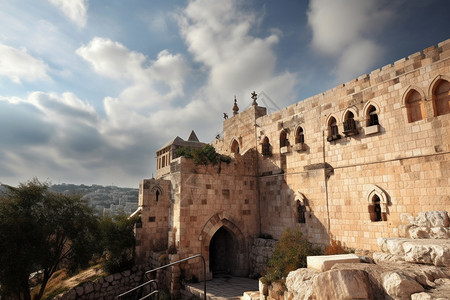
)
(325, 262)
(424, 251)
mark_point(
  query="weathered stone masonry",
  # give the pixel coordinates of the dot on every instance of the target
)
(347, 163)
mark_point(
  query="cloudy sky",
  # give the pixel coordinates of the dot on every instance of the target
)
(89, 90)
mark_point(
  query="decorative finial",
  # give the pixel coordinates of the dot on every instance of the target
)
(235, 107)
(254, 97)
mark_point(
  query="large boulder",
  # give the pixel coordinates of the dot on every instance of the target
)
(344, 284)
(431, 219)
(299, 283)
(423, 251)
(433, 252)
(399, 286)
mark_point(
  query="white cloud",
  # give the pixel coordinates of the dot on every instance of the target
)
(75, 10)
(153, 84)
(218, 35)
(153, 107)
(342, 28)
(18, 65)
(112, 59)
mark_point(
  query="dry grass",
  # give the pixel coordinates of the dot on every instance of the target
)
(60, 282)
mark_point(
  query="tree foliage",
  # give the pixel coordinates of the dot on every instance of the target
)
(42, 230)
(118, 242)
(290, 254)
(204, 155)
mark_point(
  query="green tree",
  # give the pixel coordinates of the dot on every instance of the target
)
(118, 242)
(42, 230)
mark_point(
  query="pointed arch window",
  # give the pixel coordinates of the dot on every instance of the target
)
(299, 136)
(333, 130)
(299, 140)
(441, 98)
(378, 204)
(283, 139)
(235, 147)
(350, 124)
(372, 116)
(375, 209)
(414, 106)
(266, 151)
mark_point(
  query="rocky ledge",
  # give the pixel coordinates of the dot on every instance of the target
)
(414, 266)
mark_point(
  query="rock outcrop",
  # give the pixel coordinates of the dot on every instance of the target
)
(407, 268)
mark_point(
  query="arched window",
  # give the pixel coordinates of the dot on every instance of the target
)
(350, 124)
(441, 98)
(157, 195)
(372, 116)
(301, 209)
(414, 106)
(375, 209)
(266, 147)
(378, 204)
(299, 136)
(235, 147)
(333, 130)
(283, 139)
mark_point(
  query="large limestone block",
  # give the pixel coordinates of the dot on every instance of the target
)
(399, 286)
(392, 245)
(344, 284)
(325, 262)
(432, 219)
(381, 257)
(440, 232)
(299, 283)
(416, 232)
(430, 251)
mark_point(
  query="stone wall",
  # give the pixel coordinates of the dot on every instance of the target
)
(403, 163)
(115, 284)
(261, 251)
(106, 287)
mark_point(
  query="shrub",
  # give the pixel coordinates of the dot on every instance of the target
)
(335, 248)
(290, 254)
(203, 156)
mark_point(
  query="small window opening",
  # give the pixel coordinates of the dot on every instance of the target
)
(442, 98)
(376, 214)
(333, 130)
(299, 136)
(283, 139)
(301, 209)
(373, 116)
(266, 147)
(350, 124)
(414, 106)
(157, 195)
(235, 147)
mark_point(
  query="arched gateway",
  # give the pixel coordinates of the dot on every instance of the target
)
(224, 247)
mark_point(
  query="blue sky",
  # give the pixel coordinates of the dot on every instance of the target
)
(89, 90)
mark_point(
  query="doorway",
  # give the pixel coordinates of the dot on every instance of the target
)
(222, 253)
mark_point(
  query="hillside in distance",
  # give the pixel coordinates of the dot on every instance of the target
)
(110, 200)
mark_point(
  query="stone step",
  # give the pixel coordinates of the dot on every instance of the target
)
(325, 262)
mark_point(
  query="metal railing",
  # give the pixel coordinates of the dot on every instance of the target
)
(154, 292)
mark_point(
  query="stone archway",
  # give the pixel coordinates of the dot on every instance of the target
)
(222, 253)
(220, 237)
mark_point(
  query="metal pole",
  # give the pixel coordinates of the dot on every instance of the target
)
(182, 260)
